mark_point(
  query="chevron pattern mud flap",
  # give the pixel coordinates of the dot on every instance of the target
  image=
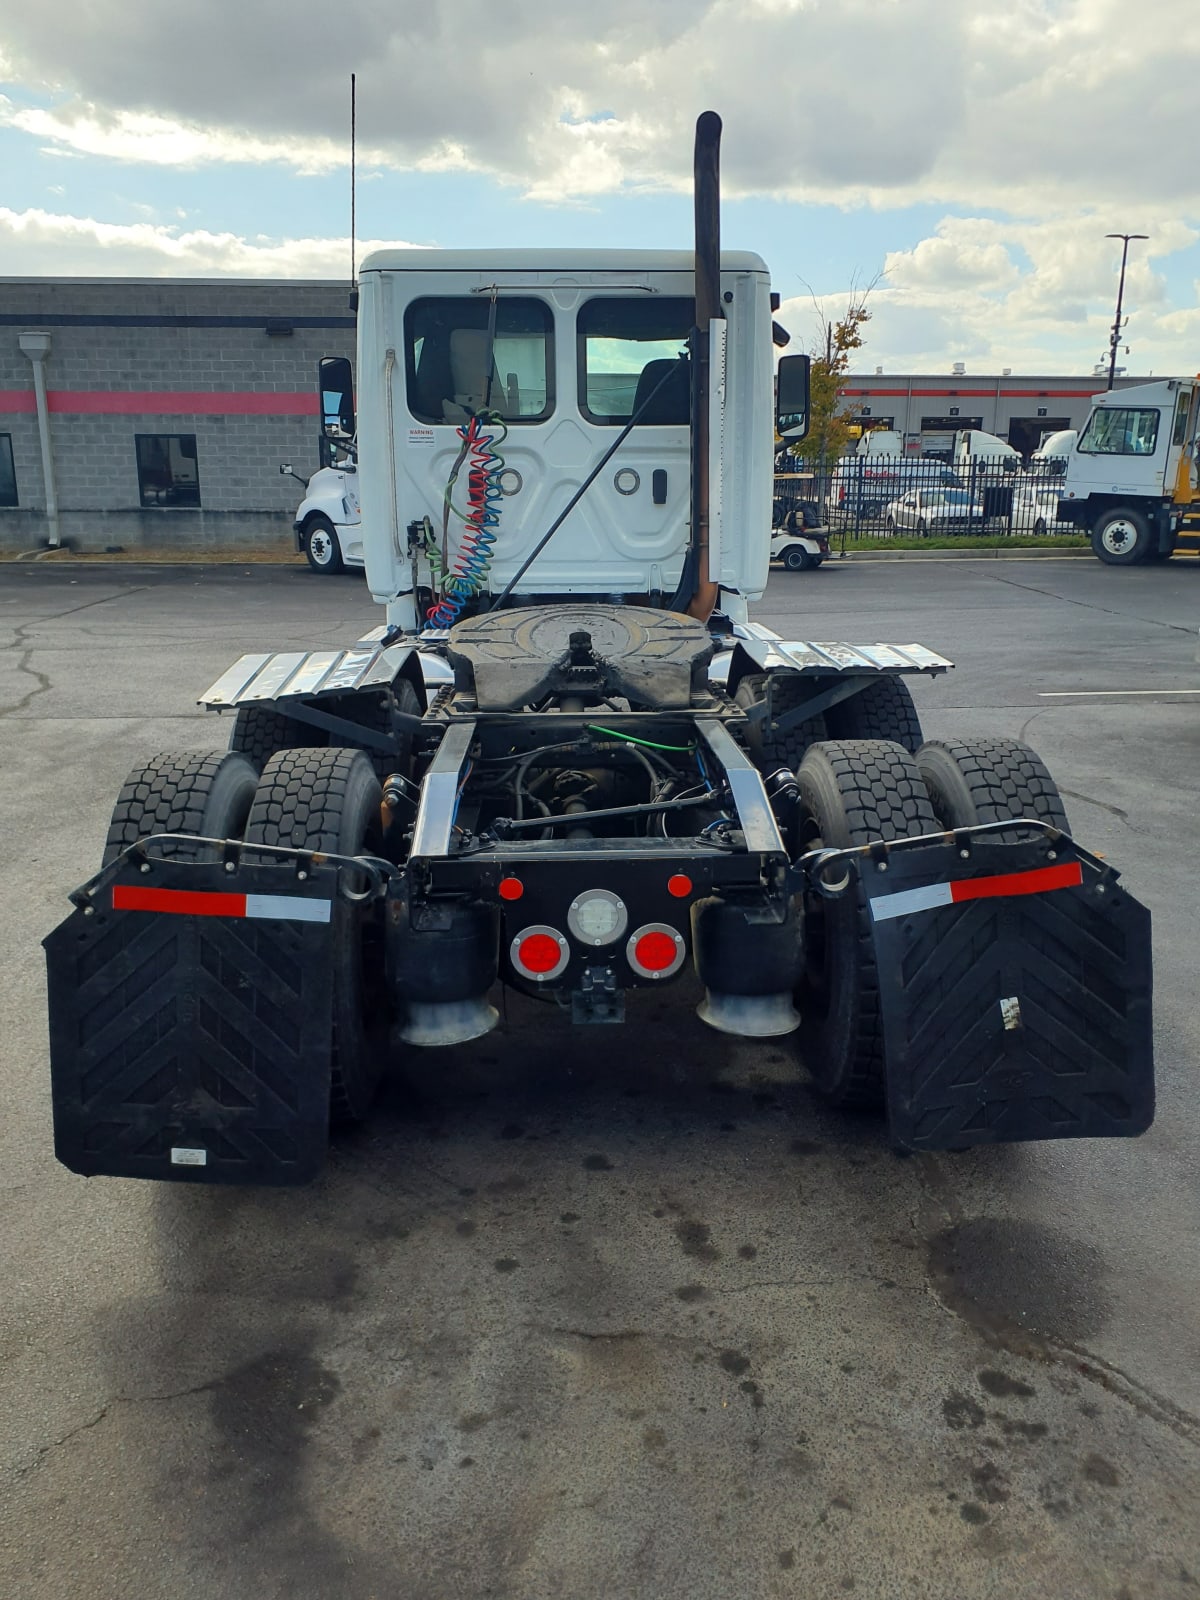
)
(190, 1024)
(1015, 986)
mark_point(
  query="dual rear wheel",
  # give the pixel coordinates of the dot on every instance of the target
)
(306, 798)
(851, 793)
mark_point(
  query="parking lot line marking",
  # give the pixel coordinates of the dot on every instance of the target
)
(1064, 694)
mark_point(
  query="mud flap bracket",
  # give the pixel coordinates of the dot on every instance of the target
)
(1015, 1009)
(191, 1022)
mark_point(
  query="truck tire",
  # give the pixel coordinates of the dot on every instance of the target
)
(209, 795)
(786, 749)
(851, 792)
(987, 780)
(329, 799)
(1121, 536)
(321, 545)
(258, 731)
(883, 710)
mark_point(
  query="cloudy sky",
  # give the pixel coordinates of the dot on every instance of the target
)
(973, 152)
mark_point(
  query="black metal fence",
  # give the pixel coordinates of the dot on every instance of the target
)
(883, 497)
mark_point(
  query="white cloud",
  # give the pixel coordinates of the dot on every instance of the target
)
(1027, 105)
(84, 247)
(1033, 296)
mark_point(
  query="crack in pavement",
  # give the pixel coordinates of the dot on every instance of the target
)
(1088, 605)
(22, 642)
(1090, 800)
(94, 1422)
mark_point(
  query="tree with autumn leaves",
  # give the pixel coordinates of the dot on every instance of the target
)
(829, 435)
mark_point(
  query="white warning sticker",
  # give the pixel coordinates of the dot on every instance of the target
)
(1010, 1012)
(183, 1157)
(420, 438)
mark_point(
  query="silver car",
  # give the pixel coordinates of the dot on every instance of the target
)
(934, 511)
(1035, 510)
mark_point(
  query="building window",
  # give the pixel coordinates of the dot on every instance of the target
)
(8, 476)
(167, 470)
(445, 348)
(1120, 431)
(626, 347)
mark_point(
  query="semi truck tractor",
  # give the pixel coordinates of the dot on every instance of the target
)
(1131, 473)
(328, 522)
(569, 762)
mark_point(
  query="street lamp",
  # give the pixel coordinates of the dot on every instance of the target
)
(1115, 337)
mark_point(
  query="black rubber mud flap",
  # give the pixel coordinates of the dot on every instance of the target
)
(190, 1037)
(1019, 1009)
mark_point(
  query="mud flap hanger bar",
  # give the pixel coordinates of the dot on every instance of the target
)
(814, 870)
(379, 873)
(824, 700)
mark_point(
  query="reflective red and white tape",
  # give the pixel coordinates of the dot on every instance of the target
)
(201, 903)
(931, 895)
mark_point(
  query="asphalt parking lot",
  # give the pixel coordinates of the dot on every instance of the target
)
(610, 1313)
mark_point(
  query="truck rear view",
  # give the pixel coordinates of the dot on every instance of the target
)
(570, 764)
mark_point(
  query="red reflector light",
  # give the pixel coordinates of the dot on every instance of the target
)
(511, 889)
(680, 885)
(655, 951)
(539, 952)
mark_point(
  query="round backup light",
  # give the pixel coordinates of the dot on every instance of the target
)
(539, 953)
(597, 917)
(655, 951)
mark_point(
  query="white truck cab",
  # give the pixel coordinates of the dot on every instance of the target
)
(1130, 474)
(972, 445)
(328, 522)
(580, 341)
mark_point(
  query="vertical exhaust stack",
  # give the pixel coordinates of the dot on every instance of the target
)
(707, 188)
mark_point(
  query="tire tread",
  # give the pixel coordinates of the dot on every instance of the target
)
(883, 797)
(171, 793)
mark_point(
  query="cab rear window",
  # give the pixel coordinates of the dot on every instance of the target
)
(446, 366)
(625, 346)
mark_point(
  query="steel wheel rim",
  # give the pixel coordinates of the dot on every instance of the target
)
(1118, 535)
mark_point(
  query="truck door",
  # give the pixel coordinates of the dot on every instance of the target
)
(1182, 473)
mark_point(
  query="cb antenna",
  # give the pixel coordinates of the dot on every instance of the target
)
(353, 174)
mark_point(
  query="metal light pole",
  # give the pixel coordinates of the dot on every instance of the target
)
(1115, 337)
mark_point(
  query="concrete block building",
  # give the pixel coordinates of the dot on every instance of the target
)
(155, 413)
(930, 410)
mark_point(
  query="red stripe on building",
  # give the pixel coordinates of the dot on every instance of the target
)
(1067, 876)
(188, 902)
(162, 403)
(1004, 393)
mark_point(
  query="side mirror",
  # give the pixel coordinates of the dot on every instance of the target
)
(791, 397)
(336, 388)
(285, 471)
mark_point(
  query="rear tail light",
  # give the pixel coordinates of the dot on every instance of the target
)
(539, 953)
(655, 950)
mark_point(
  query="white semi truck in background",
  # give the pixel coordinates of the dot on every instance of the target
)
(1131, 473)
(328, 522)
(568, 762)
